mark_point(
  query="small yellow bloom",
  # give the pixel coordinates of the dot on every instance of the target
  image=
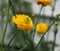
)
(43, 2)
(23, 22)
(41, 28)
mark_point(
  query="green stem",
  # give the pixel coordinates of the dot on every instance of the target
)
(2, 14)
(53, 46)
(5, 29)
(25, 37)
(45, 33)
(10, 42)
(12, 7)
(37, 21)
(53, 8)
(13, 38)
(22, 48)
(55, 33)
(39, 14)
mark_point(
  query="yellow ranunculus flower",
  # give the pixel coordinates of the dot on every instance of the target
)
(43, 2)
(41, 28)
(23, 22)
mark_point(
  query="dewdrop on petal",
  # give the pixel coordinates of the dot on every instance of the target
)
(41, 28)
(23, 22)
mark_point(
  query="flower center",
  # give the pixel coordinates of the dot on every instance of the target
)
(27, 20)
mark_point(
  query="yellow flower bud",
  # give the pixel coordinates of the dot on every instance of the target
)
(23, 22)
(33, 14)
(41, 28)
(56, 22)
(43, 2)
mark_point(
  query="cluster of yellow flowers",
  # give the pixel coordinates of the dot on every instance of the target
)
(43, 2)
(24, 22)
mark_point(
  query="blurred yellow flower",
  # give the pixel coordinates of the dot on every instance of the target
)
(43, 2)
(23, 22)
(41, 28)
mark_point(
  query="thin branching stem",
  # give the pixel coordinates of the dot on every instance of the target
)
(53, 46)
(53, 8)
(46, 32)
(10, 42)
(55, 35)
(37, 20)
(5, 27)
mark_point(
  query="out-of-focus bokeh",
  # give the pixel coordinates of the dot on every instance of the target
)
(31, 8)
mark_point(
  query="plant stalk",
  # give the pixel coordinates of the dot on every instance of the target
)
(37, 21)
(55, 33)
(46, 32)
(5, 28)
